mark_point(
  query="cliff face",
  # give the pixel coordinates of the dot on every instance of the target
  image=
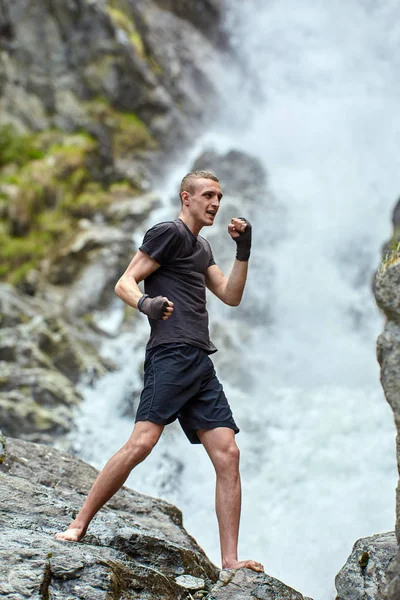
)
(138, 56)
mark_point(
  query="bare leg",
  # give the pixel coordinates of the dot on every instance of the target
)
(143, 439)
(222, 449)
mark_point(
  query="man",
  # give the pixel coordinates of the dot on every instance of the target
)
(176, 265)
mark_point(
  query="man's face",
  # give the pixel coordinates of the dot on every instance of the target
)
(204, 201)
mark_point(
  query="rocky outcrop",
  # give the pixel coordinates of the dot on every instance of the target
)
(386, 289)
(136, 546)
(363, 577)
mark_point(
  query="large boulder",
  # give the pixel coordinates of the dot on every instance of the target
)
(136, 547)
(363, 577)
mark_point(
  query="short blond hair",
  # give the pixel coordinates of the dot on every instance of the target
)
(187, 183)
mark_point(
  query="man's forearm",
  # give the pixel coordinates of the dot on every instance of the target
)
(235, 283)
(128, 290)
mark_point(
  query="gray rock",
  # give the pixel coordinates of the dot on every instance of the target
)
(136, 546)
(391, 591)
(245, 584)
(136, 55)
(41, 358)
(363, 577)
(387, 289)
(190, 583)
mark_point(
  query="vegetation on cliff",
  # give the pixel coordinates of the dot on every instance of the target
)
(51, 179)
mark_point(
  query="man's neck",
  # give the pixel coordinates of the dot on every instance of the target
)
(194, 227)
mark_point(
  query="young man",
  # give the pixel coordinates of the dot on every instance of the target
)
(176, 265)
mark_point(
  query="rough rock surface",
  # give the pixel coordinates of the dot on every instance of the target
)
(247, 585)
(363, 577)
(141, 56)
(136, 547)
(42, 357)
(386, 289)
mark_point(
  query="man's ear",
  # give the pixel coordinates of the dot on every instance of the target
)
(185, 198)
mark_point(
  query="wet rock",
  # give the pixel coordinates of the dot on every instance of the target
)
(136, 546)
(245, 584)
(363, 577)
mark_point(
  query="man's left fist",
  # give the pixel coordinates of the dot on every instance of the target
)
(240, 231)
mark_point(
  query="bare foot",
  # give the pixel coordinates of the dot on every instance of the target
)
(72, 534)
(245, 564)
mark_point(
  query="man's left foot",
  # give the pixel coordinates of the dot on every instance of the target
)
(245, 564)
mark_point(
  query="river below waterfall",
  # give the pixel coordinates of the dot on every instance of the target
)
(317, 437)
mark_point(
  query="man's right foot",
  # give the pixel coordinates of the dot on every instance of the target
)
(72, 534)
(244, 564)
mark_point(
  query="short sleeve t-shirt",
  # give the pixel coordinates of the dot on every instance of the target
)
(184, 260)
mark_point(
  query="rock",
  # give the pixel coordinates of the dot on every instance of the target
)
(190, 583)
(245, 584)
(130, 211)
(136, 546)
(391, 591)
(41, 358)
(138, 57)
(2, 448)
(363, 577)
(387, 289)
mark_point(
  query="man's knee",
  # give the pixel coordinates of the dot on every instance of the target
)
(141, 444)
(227, 459)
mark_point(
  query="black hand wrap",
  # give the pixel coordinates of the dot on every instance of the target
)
(155, 308)
(243, 242)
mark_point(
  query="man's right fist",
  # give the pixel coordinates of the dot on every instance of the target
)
(155, 308)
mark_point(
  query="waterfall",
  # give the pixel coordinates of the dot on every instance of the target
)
(320, 110)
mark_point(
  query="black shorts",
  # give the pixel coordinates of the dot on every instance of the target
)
(180, 383)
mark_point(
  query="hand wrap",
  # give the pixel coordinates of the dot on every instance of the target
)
(243, 242)
(155, 308)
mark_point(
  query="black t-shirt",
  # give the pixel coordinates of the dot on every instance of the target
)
(184, 260)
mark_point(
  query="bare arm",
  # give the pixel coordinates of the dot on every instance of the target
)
(228, 289)
(127, 288)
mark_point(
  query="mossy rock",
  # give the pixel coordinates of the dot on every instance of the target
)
(17, 148)
(128, 132)
(122, 18)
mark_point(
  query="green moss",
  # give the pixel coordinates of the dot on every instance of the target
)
(391, 258)
(123, 20)
(132, 134)
(43, 193)
(17, 148)
(128, 132)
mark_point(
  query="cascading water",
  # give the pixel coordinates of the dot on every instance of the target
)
(317, 439)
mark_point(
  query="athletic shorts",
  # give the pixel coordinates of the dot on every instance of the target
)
(180, 383)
